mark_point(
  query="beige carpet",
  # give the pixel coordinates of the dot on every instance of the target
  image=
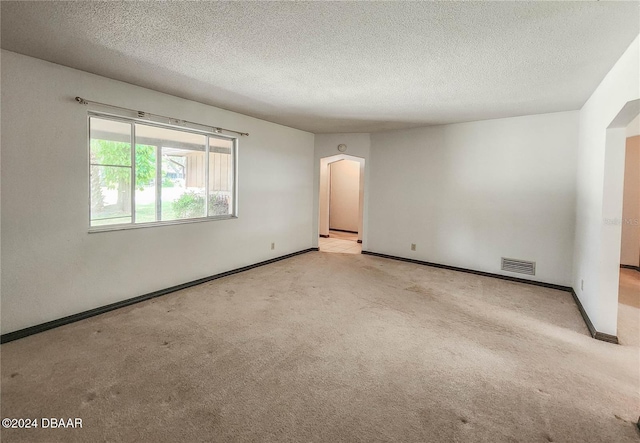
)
(332, 348)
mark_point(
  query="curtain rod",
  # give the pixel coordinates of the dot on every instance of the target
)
(141, 114)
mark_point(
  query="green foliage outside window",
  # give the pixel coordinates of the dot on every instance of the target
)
(191, 205)
(117, 153)
(106, 152)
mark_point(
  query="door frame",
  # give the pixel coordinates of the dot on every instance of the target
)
(325, 162)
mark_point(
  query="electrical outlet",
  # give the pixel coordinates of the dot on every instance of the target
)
(273, 246)
(413, 246)
(582, 285)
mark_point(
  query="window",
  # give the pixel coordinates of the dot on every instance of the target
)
(171, 175)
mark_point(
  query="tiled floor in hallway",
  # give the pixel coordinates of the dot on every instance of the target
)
(343, 242)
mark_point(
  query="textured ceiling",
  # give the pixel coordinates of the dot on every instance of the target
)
(343, 66)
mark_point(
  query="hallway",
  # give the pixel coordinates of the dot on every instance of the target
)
(629, 308)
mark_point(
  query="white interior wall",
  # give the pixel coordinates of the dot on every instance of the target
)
(634, 127)
(630, 240)
(52, 267)
(468, 194)
(344, 195)
(597, 243)
(325, 152)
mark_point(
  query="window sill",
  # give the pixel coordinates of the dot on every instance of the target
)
(122, 227)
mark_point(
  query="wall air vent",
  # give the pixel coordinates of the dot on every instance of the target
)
(519, 266)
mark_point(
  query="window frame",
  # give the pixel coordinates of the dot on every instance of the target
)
(208, 134)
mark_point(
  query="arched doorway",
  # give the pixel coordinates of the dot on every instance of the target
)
(341, 204)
